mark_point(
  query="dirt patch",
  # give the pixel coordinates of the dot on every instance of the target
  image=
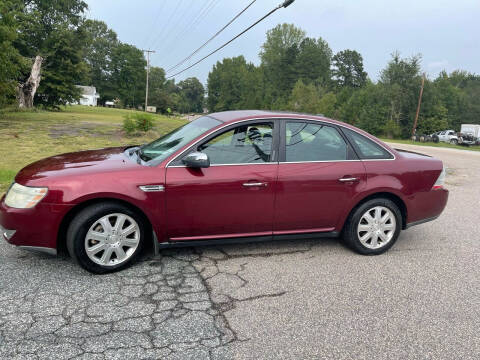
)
(80, 129)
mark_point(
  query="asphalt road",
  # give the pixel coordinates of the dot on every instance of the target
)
(283, 300)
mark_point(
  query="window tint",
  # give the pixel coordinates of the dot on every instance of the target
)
(242, 145)
(366, 148)
(313, 142)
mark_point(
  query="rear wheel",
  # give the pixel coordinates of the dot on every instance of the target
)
(373, 227)
(105, 237)
(454, 141)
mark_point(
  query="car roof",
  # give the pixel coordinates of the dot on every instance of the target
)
(235, 115)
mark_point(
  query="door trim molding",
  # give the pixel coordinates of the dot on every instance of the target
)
(248, 239)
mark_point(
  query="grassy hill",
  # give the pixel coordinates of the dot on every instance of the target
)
(29, 136)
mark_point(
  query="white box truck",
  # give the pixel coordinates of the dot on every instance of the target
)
(473, 129)
(471, 133)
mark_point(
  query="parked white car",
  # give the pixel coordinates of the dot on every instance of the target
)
(448, 136)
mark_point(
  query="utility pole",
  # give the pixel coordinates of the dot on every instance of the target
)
(148, 70)
(418, 107)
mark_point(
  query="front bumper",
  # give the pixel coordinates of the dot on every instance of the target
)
(35, 229)
(6, 234)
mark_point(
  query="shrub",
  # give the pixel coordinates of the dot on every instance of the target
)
(144, 121)
(137, 122)
(129, 125)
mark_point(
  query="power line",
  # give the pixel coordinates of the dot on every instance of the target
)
(155, 19)
(209, 40)
(285, 4)
(177, 24)
(197, 19)
(165, 28)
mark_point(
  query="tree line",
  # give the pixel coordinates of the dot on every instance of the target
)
(47, 47)
(300, 73)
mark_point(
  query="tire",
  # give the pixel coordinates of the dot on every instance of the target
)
(435, 138)
(89, 229)
(391, 230)
(454, 141)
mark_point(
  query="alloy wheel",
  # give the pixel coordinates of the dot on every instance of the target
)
(376, 227)
(112, 239)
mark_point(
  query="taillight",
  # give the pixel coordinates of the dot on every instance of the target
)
(440, 181)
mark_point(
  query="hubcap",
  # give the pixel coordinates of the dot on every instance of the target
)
(112, 239)
(376, 227)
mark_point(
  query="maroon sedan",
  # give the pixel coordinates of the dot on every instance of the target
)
(226, 177)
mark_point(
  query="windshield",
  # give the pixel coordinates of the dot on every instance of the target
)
(160, 149)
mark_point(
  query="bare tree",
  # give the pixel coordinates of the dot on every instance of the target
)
(26, 91)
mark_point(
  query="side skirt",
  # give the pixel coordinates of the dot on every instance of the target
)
(423, 221)
(246, 240)
(39, 249)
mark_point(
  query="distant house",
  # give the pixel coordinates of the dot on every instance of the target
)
(89, 95)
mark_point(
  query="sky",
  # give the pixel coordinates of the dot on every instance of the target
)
(445, 33)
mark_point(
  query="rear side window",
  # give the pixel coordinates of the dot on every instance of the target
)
(313, 142)
(366, 148)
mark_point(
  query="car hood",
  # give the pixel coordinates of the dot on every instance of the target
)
(78, 163)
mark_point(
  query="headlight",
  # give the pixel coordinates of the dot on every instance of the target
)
(24, 197)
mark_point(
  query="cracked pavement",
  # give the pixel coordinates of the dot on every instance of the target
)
(160, 308)
(279, 300)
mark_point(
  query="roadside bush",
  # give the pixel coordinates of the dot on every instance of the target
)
(129, 125)
(137, 122)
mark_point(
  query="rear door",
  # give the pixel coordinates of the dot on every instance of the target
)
(318, 174)
(234, 197)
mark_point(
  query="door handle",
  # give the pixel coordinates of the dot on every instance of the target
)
(252, 184)
(348, 179)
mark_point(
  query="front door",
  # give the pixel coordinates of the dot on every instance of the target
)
(234, 197)
(317, 176)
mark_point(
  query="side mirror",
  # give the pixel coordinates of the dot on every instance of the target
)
(196, 160)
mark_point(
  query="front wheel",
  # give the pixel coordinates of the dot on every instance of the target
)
(373, 227)
(105, 237)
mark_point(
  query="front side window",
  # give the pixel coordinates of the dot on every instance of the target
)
(244, 144)
(366, 148)
(313, 142)
(160, 149)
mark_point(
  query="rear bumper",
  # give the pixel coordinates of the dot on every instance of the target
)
(426, 206)
(35, 229)
(419, 222)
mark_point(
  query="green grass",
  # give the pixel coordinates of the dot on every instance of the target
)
(28, 136)
(432, 144)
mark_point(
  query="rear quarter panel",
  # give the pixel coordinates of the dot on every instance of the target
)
(411, 178)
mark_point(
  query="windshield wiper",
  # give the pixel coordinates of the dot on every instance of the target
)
(142, 155)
